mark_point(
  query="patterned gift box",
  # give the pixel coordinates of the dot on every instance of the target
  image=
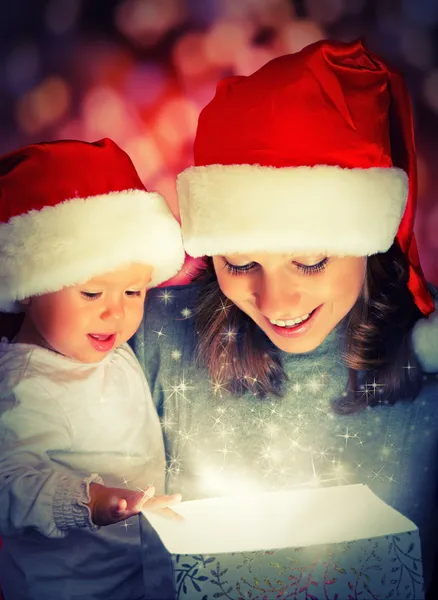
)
(339, 543)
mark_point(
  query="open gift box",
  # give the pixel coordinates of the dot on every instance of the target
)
(338, 543)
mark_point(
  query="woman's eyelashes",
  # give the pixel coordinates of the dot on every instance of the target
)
(305, 269)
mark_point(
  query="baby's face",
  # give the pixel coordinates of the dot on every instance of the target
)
(87, 321)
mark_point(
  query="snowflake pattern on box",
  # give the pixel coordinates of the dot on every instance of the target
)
(387, 567)
(218, 444)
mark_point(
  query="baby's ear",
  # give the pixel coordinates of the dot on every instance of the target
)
(425, 342)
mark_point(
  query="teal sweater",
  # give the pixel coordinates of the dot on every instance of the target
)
(215, 441)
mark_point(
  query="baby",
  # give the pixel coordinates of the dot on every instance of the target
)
(81, 240)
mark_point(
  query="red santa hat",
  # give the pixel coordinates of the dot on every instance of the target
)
(312, 153)
(71, 210)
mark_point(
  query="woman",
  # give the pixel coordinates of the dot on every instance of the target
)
(290, 363)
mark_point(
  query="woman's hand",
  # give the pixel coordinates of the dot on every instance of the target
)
(111, 505)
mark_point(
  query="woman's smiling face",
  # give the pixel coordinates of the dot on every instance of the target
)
(296, 300)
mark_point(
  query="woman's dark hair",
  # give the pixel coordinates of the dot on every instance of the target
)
(241, 358)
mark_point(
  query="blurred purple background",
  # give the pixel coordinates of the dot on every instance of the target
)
(139, 71)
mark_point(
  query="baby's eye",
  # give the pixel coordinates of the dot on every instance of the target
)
(91, 295)
(133, 293)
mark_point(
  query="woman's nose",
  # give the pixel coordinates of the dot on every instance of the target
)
(277, 297)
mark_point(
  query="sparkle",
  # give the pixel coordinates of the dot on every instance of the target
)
(374, 385)
(186, 313)
(166, 297)
(186, 436)
(322, 452)
(390, 478)
(272, 428)
(346, 436)
(179, 390)
(376, 475)
(409, 367)
(218, 388)
(125, 524)
(125, 481)
(159, 333)
(174, 466)
(295, 443)
(225, 451)
(224, 307)
(217, 421)
(167, 422)
(176, 354)
(314, 385)
(229, 334)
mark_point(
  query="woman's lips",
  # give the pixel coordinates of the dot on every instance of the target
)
(102, 342)
(295, 330)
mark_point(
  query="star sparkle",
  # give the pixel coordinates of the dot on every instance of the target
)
(166, 297)
(176, 354)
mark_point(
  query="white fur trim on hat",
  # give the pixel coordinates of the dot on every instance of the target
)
(324, 209)
(425, 342)
(44, 251)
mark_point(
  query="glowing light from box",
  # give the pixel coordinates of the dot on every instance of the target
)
(43, 106)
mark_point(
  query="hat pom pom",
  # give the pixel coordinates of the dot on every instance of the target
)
(425, 342)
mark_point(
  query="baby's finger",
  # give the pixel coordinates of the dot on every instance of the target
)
(145, 497)
(162, 501)
(169, 514)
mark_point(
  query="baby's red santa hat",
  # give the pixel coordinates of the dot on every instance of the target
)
(71, 210)
(312, 153)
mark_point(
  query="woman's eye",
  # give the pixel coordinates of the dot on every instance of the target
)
(312, 269)
(133, 293)
(239, 269)
(91, 295)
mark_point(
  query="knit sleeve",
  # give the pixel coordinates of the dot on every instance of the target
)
(34, 492)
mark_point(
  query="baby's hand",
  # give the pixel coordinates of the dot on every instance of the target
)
(111, 505)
